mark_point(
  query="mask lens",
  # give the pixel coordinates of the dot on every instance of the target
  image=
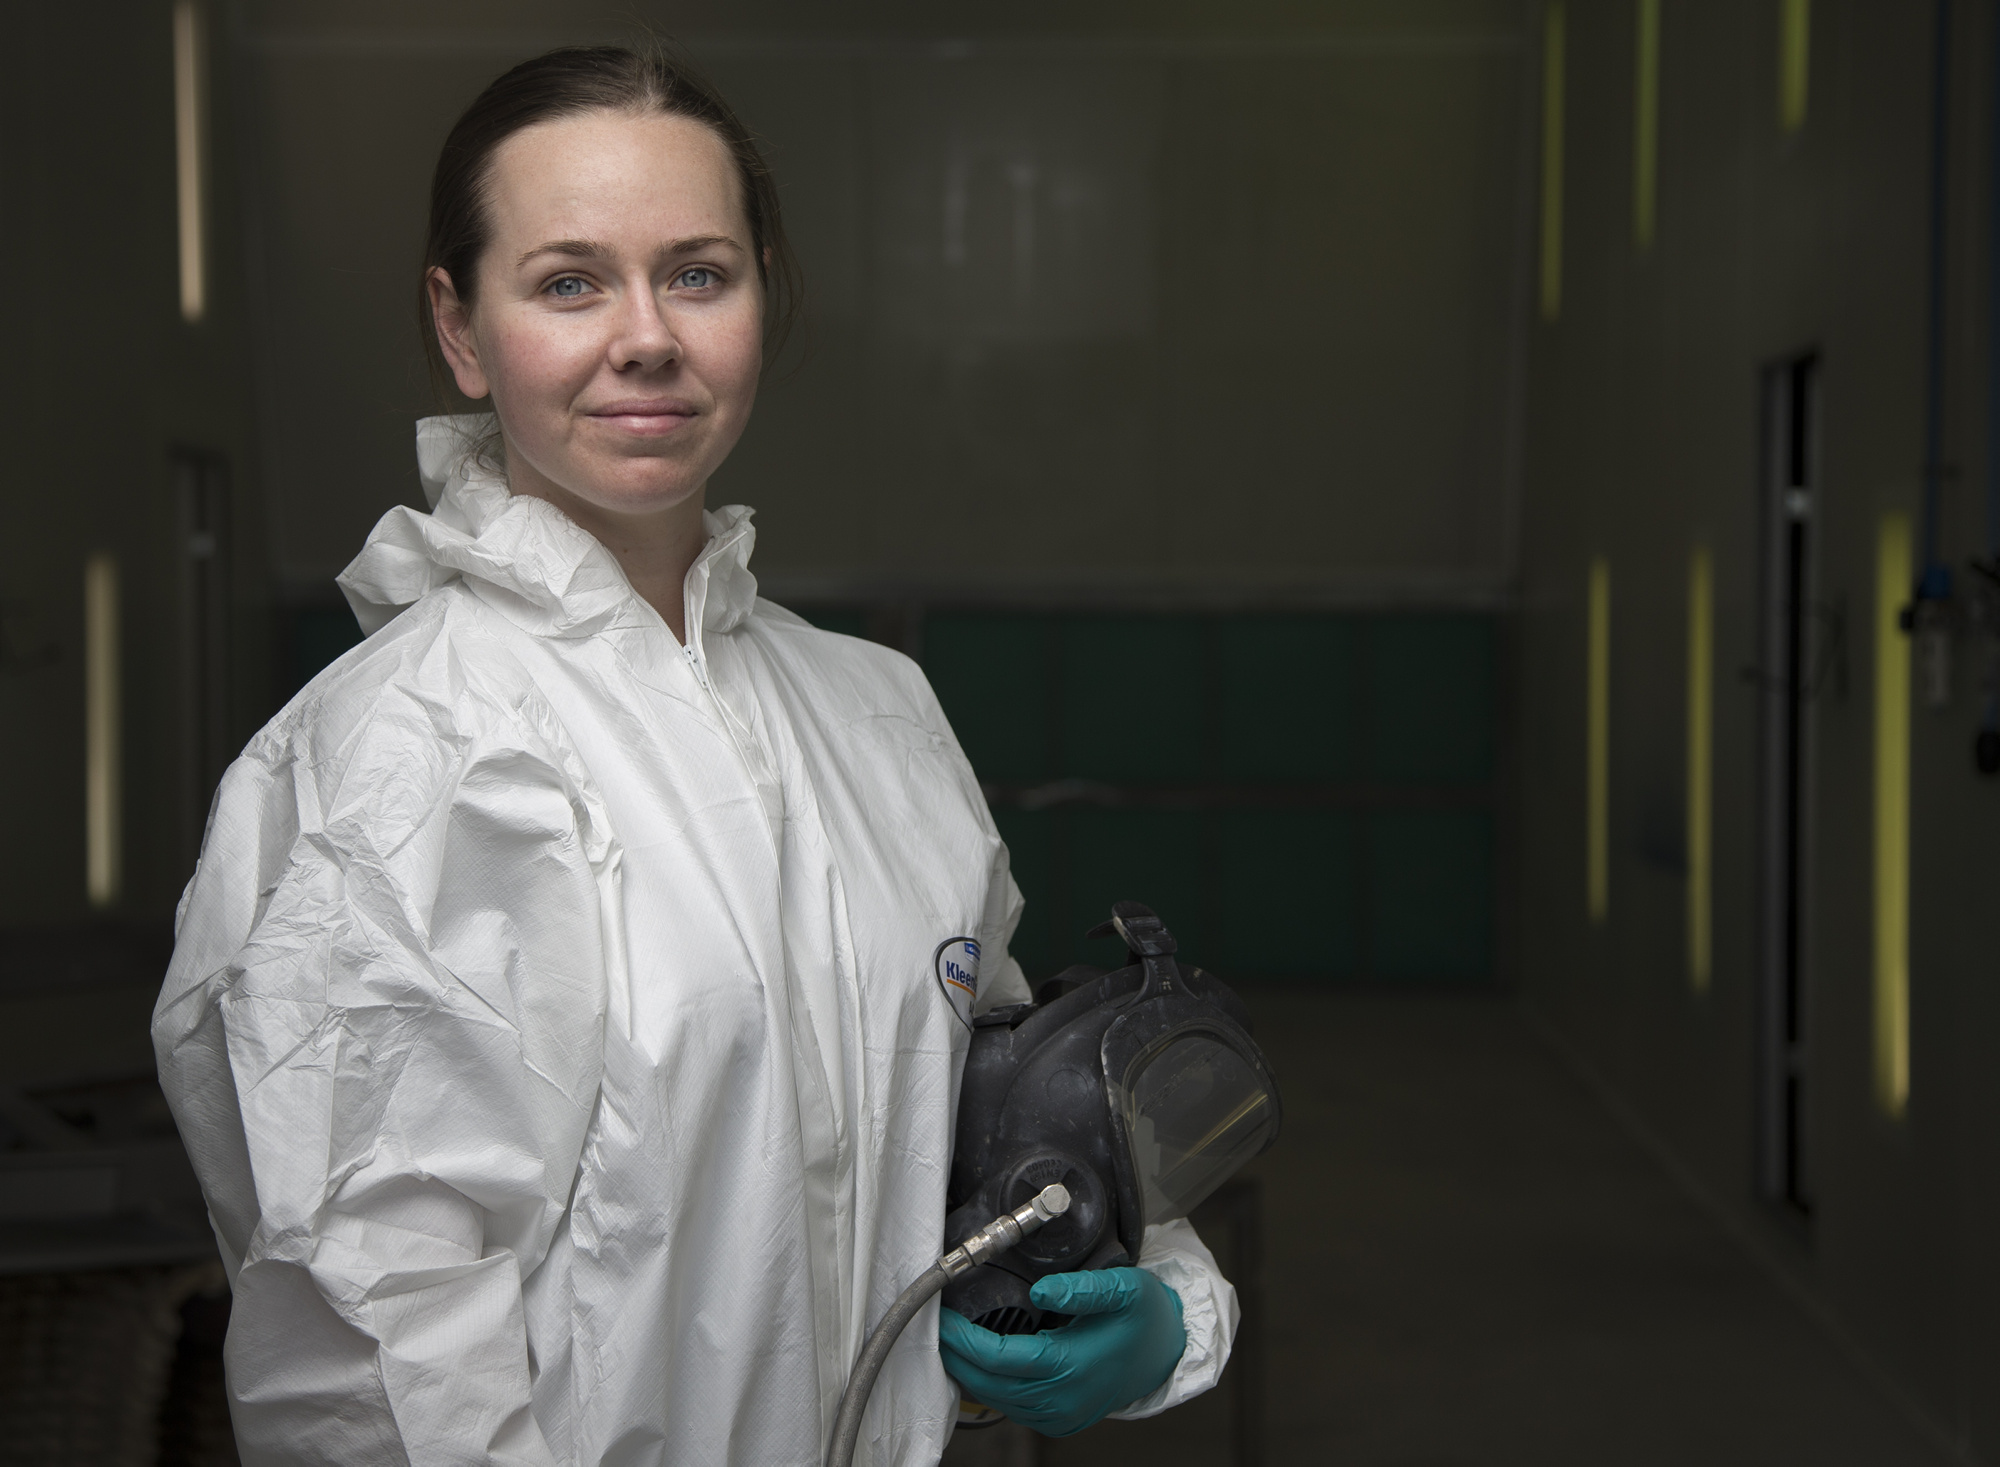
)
(1195, 1112)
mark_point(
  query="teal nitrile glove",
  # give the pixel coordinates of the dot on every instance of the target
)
(1123, 1344)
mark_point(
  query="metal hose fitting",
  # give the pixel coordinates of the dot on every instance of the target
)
(1006, 1230)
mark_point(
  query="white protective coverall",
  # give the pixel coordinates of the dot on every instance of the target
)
(553, 1020)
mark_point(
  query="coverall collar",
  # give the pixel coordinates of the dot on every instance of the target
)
(525, 556)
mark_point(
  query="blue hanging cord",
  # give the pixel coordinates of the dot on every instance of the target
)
(1991, 712)
(1993, 315)
(1989, 721)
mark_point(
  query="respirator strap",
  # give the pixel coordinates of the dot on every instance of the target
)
(1147, 939)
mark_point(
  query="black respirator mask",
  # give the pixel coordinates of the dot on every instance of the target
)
(1139, 1090)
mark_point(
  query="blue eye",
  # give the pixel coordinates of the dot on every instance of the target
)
(568, 288)
(699, 277)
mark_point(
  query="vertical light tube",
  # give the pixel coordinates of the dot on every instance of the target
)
(1645, 122)
(1794, 62)
(103, 858)
(1597, 745)
(190, 107)
(1700, 764)
(1894, 573)
(1553, 61)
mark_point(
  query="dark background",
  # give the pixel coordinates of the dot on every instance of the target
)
(1232, 408)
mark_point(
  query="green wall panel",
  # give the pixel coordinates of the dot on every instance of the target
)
(991, 675)
(318, 636)
(1316, 886)
(1134, 690)
(1287, 895)
(1431, 698)
(1150, 856)
(1287, 699)
(1431, 894)
(1030, 837)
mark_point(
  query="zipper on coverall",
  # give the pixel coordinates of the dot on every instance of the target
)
(827, 1294)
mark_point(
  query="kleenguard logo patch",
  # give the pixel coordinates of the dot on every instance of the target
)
(957, 965)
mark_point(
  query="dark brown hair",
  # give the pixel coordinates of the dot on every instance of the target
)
(564, 83)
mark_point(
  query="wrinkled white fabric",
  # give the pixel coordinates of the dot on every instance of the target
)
(553, 1020)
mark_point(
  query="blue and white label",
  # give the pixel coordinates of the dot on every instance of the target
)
(957, 965)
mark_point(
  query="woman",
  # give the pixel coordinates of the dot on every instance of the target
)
(552, 1020)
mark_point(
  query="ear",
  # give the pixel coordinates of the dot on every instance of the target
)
(455, 335)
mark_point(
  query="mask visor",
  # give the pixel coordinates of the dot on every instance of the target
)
(1195, 1110)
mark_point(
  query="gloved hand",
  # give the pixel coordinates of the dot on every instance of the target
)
(1123, 1344)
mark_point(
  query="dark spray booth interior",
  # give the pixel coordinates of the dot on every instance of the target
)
(1540, 454)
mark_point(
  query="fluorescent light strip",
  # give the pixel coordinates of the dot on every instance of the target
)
(1794, 62)
(1894, 571)
(1700, 764)
(1597, 745)
(189, 110)
(102, 755)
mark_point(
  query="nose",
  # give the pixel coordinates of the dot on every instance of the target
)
(645, 339)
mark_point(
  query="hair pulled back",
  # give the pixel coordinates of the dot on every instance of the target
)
(564, 83)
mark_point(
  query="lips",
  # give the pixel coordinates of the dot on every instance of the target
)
(646, 416)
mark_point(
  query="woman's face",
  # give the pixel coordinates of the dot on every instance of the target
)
(618, 316)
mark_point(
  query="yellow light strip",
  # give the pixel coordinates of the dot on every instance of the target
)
(1645, 122)
(101, 751)
(188, 159)
(1893, 580)
(1597, 745)
(1700, 769)
(1553, 47)
(1794, 62)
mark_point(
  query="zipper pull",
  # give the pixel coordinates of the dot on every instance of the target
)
(700, 672)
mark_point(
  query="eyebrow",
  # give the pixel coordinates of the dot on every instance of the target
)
(590, 249)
